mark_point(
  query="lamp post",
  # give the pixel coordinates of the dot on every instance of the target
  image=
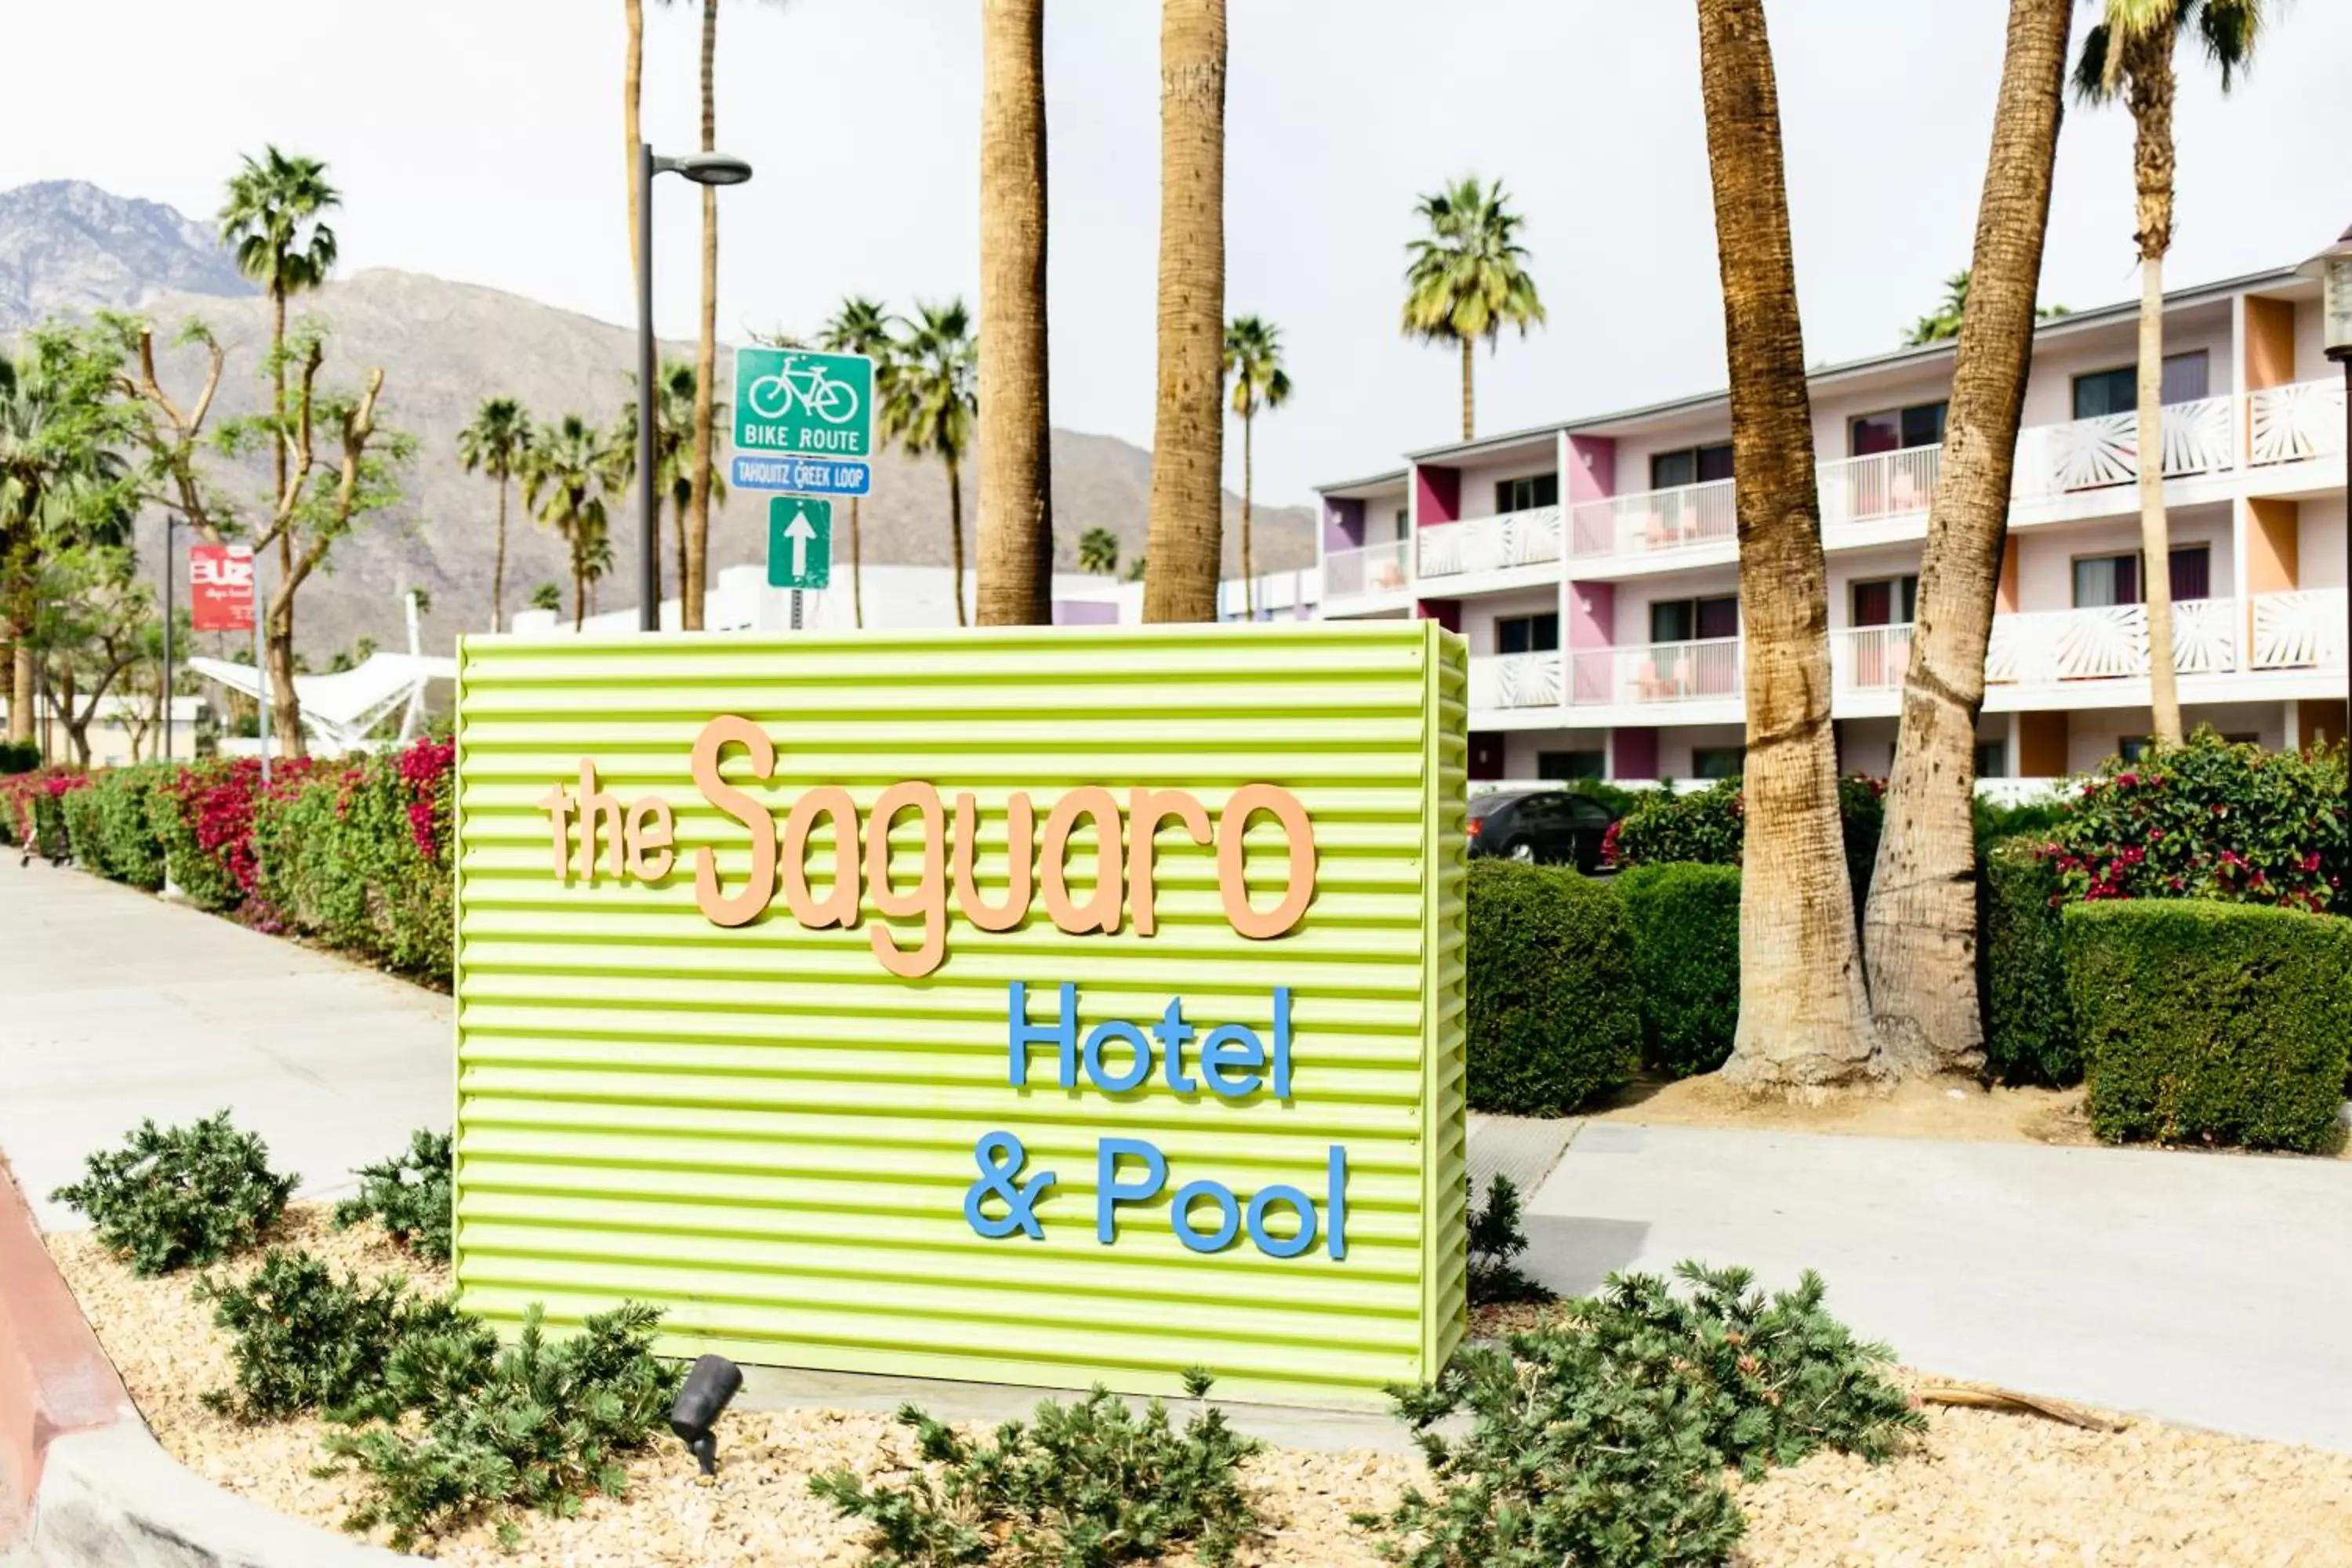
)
(703, 169)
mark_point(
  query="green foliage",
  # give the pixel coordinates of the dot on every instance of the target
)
(1554, 1014)
(357, 856)
(1710, 827)
(302, 1340)
(2212, 1022)
(412, 1193)
(1685, 922)
(172, 1197)
(2208, 819)
(1495, 1242)
(548, 1424)
(108, 828)
(1602, 1438)
(1995, 820)
(2029, 1023)
(1082, 1486)
(19, 756)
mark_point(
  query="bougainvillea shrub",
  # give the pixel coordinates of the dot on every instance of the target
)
(357, 856)
(32, 808)
(2208, 819)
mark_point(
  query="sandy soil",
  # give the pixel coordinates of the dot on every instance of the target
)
(1958, 1111)
(1980, 1488)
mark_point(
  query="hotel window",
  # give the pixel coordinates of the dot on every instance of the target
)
(1886, 602)
(1682, 620)
(2101, 580)
(1518, 495)
(1992, 759)
(1718, 762)
(1560, 766)
(1690, 466)
(1528, 633)
(1896, 429)
(2118, 390)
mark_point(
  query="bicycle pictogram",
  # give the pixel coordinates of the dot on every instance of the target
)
(810, 387)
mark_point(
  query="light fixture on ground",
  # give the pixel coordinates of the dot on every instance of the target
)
(703, 169)
(2334, 268)
(710, 1386)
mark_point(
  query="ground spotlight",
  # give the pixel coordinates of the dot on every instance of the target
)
(711, 1384)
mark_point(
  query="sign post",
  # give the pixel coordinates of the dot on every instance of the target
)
(800, 546)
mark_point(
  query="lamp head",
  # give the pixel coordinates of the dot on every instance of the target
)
(708, 168)
(2333, 268)
(710, 1385)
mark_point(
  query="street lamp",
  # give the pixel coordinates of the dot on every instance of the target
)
(703, 169)
(2334, 266)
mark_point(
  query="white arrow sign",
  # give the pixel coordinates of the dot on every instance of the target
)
(800, 531)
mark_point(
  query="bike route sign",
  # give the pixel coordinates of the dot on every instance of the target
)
(800, 542)
(796, 402)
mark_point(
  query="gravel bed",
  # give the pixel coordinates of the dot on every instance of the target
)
(1980, 1488)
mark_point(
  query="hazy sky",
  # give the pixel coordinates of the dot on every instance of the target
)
(482, 141)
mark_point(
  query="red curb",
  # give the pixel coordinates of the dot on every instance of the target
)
(55, 1380)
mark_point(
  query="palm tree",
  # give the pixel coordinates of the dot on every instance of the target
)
(674, 406)
(861, 327)
(929, 403)
(1253, 362)
(2128, 54)
(1944, 324)
(1186, 542)
(273, 217)
(1920, 927)
(496, 443)
(706, 351)
(1099, 552)
(595, 558)
(1016, 491)
(547, 597)
(1804, 1019)
(632, 76)
(571, 471)
(1468, 276)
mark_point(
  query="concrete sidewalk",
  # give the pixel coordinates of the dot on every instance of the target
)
(115, 1005)
(2204, 1288)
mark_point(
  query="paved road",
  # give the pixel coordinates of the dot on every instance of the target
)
(2205, 1289)
(114, 1006)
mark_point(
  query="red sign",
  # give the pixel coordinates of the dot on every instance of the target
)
(220, 587)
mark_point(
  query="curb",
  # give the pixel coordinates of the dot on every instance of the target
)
(83, 1483)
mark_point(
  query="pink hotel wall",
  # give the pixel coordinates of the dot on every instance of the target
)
(1437, 499)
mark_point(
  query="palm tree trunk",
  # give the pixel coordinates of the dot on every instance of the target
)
(856, 575)
(955, 534)
(498, 565)
(678, 528)
(2151, 96)
(20, 683)
(705, 348)
(632, 85)
(1469, 403)
(1184, 545)
(1249, 580)
(1805, 1017)
(1016, 516)
(579, 594)
(1920, 926)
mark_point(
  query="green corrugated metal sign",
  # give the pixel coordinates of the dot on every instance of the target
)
(1028, 1005)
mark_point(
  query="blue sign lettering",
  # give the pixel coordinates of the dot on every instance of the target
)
(802, 476)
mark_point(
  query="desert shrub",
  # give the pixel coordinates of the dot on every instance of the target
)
(411, 1194)
(1495, 1241)
(2208, 819)
(2029, 1023)
(2212, 1023)
(172, 1197)
(301, 1340)
(550, 1423)
(1685, 922)
(1602, 1438)
(358, 855)
(1082, 1486)
(1554, 1018)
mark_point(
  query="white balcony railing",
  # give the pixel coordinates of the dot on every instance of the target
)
(1528, 538)
(1655, 520)
(2041, 647)
(1870, 659)
(1656, 672)
(2290, 424)
(2055, 460)
(1372, 569)
(2299, 631)
(1514, 680)
(1882, 484)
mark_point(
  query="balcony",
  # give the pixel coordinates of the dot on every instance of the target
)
(2295, 422)
(1655, 522)
(1514, 680)
(1478, 544)
(1870, 659)
(2299, 631)
(1667, 672)
(2045, 646)
(1877, 486)
(1372, 570)
(2054, 461)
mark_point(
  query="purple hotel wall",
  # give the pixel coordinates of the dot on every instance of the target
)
(1085, 612)
(1343, 523)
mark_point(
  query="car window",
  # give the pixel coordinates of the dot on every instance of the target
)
(1586, 813)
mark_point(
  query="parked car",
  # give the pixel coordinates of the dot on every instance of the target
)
(1546, 826)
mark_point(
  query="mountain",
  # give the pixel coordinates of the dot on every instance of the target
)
(68, 247)
(443, 347)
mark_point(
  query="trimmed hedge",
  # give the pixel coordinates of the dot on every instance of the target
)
(1685, 921)
(108, 828)
(2029, 1022)
(2214, 1023)
(1554, 1014)
(19, 756)
(32, 809)
(357, 856)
